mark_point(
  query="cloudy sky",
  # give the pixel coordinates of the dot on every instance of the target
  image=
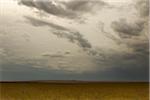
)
(104, 40)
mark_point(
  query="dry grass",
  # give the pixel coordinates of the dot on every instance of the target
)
(76, 91)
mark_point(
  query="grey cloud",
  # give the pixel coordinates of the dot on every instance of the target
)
(129, 74)
(141, 48)
(62, 32)
(53, 55)
(143, 7)
(67, 52)
(117, 66)
(56, 55)
(71, 9)
(78, 5)
(126, 65)
(75, 37)
(37, 22)
(121, 73)
(28, 72)
(83, 5)
(115, 74)
(101, 26)
(29, 3)
(126, 29)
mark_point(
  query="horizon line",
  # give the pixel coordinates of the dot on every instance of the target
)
(123, 81)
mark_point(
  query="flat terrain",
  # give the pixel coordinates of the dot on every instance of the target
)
(73, 91)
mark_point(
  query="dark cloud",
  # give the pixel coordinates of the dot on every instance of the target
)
(67, 52)
(119, 65)
(62, 32)
(28, 72)
(128, 74)
(75, 37)
(138, 65)
(141, 48)
(71, 9)
(133, 34)
(29, 3)
(143, 7)
(126, 29)
(38, 22)
(56, 55)
(83, 5)
(126, 65)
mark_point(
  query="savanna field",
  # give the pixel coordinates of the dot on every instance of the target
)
(74, 91)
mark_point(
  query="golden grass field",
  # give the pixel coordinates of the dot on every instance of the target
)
(74, 91)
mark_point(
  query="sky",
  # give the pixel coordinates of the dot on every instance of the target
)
(99, 40)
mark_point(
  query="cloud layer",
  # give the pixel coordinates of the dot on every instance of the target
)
(72, 9)
(62, 32)
(104, 48)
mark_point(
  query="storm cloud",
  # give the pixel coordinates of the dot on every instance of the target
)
(44, 40)
(73, 9)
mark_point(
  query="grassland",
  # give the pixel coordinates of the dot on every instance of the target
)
(74, 91)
